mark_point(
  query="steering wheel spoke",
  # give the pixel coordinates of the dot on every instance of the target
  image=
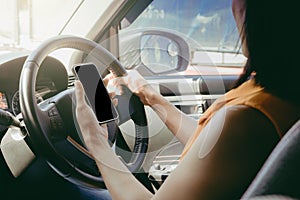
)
(49, 116)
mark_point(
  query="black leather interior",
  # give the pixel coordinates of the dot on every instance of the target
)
(280, 174)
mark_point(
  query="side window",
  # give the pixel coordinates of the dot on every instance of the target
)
(207, 26)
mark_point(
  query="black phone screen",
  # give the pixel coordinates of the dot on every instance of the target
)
(96, 92)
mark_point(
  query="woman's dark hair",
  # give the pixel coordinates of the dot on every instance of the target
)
(272, 35)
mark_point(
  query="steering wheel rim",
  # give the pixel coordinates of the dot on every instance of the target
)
(34, 116)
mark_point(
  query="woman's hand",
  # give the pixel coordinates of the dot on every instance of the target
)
(93, 134)
(181, 125)
(137, 84)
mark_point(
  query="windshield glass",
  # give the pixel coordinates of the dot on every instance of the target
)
(208, 26)
(24, 24)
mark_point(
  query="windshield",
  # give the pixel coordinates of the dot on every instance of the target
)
(208, 26)
(24, 24)
(210, 23)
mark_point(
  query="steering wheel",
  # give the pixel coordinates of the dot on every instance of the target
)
(52, 127)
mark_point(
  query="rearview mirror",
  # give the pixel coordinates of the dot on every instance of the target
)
(159, 53)
(163, 52)
(154, 52)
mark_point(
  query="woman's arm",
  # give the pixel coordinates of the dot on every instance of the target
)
(225, 157)
(181, 125)
(220, 165)
(118, 179)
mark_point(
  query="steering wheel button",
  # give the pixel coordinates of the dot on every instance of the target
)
(52, 112)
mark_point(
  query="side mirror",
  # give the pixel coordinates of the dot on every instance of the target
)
(156, 52)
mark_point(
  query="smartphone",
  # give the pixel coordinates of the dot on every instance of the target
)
(97, 95)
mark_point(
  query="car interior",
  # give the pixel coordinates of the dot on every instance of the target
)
(186, 50)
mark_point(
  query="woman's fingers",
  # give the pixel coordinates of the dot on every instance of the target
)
(79, 93)
(83, 111)
(134, 81)
(115, 102)
(114, 87)
(112, 95)
(107, 78)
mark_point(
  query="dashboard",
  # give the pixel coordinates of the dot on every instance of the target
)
(52, 78)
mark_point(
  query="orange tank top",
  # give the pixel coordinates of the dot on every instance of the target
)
(282, 114)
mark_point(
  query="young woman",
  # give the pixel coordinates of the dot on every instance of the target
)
(226, 148)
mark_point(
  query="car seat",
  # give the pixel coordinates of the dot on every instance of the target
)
(279, 178)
